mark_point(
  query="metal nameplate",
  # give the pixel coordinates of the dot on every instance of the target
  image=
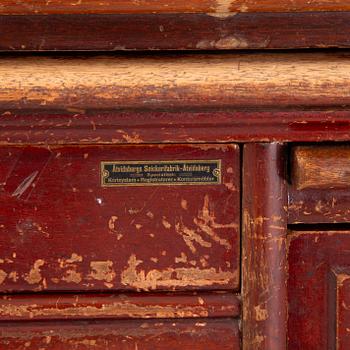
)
(155, 173)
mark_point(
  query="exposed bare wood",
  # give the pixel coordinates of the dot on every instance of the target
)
(202, 81)
(321, 167)
(168, 6)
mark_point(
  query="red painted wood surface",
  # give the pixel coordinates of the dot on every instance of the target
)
(315, 206)
(170, 31)
(113, 127)
(264, 247)
(201, 334)
(318, 290)
(118, 306)
(60, 230)
(319, 184)
(343, 309)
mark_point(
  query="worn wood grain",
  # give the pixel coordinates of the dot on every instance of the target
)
(170, 31)
(318, 264)
(321, 167)
(161, 6)
(83, 236)
(118, 306)
(172, 127)
(264, 247)
(189, 81)
(201, 334)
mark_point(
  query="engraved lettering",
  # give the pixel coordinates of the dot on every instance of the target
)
(155, 173)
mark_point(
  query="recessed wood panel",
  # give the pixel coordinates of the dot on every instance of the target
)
(343, 309)
(60, 229)
(318, 292)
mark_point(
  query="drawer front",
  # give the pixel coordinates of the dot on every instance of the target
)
(319, 290)
(321, 167)
(64, 226)
(201, 334)
(320, 183)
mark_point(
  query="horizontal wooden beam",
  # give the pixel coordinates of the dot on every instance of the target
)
(114, 32)
(118, 306)
(113, 127)
(168, 6)
(171, 82)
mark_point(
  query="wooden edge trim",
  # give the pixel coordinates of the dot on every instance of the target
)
(264, 290)
(199, 334)
(79, 127)
(175, 81)
(98, 32)
(117, 306)
(9, 7)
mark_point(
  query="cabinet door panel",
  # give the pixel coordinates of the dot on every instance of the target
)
(319, 290)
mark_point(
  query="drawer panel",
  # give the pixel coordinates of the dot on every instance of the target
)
(201, 334)
(320, 182)
(61, 228)
(321, 167)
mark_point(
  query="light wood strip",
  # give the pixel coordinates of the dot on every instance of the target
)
(321, 167)
(189, 81)
(10, 7)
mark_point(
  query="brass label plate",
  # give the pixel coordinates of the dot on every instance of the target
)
(156, 173)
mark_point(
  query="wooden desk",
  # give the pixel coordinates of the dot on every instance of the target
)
(174, 201)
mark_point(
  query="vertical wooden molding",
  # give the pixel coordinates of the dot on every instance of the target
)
(264, 247)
